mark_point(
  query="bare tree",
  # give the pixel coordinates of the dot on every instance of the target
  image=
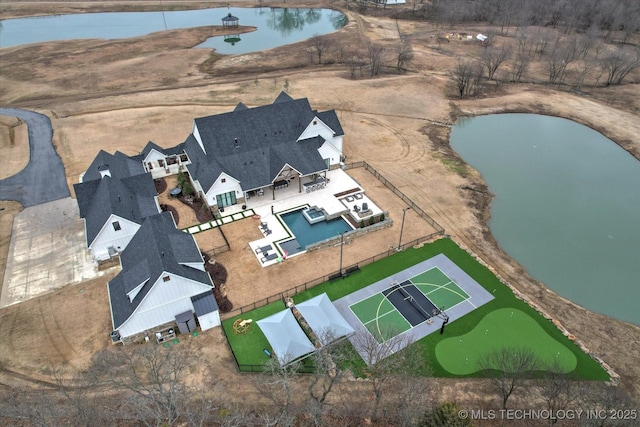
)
(319, 45)
(387, 362)
(618, 64)
(152, 376)
(561, 55)
(355, 62)
(493, 57)
(405, 54)
(602, 399)
(74, 386)
(520, 65)
(467, 77)
(326, 374)
(557, 389)
(276, 383)
(508, 368)
(375, 55)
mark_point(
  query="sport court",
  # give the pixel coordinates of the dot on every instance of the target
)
(410, 301)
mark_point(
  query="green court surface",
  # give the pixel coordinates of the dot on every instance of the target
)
(370, 308)
(388, 326)
(380, 317)
(443, 292)
(460, 355)
(384, 321)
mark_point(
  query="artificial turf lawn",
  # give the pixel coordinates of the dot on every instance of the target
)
(249, 348)
(251, 353)
(461, 355)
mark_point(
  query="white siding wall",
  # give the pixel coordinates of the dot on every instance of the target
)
(332, 148)
(209, 320)
(162, 304)
(108, 236)
(219, 187)
(328, 151)
(315, 128)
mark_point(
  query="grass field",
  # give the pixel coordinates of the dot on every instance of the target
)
(249, 348)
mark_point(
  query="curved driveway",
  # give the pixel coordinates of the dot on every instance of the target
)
(43, 179)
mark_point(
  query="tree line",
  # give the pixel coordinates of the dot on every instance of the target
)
(152, 385)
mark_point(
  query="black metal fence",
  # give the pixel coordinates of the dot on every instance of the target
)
(397, 192)
(330, 276)
(337, 274)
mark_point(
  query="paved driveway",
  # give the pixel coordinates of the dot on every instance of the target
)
(47, 251)
(43, 180)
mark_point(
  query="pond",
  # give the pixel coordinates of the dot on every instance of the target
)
(566, 207)
(275, 26)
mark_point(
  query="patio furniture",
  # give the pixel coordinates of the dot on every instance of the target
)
(269, 257)
(358, 196)
(356, 208)
(365, 206)
(263, 249)
(349, 199)
(175, 192)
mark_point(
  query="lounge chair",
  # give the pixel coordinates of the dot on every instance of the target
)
(358, 196)
(365, 206)
(356, 208)
(270, 257)
(263, 249)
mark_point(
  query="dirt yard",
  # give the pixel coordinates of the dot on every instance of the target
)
(118, 95)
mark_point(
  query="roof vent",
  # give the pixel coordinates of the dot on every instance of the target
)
(236, 143)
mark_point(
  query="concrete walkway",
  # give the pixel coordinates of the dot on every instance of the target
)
(43, 179)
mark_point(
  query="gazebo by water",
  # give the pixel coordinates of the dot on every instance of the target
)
(230, 21)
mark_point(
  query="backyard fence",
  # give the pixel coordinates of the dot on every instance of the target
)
(281, 296)
(397, 192)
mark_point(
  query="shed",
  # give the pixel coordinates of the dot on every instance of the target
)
(186, 322)
(206, 310)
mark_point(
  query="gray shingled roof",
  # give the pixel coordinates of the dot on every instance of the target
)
(131, 198)
(119, 164)
(178, 149)
(157, 247)
(266, 142)
(204, 303)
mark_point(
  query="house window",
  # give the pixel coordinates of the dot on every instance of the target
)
(226, 199)
(315, 122)
(184, 158)
(161, 163)
(116, 226)
(149, 165)
(166, 278)
(223, 180)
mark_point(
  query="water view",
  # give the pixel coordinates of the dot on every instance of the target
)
(566, 205)
(275, 26)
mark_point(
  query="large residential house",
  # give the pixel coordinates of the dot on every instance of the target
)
(228, 157)
(162, 279)
(249, 151)
(114, 196)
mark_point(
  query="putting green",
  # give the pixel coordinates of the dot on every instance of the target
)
(503, 327)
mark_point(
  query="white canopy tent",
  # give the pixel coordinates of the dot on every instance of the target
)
(324, 319)
(287, 339)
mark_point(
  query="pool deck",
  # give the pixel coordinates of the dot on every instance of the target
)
(290, 198)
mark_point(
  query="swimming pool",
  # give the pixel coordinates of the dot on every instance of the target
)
(306, 234)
